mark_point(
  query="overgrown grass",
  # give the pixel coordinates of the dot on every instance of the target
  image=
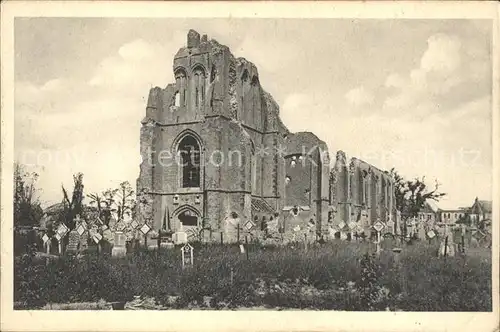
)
(327, 276)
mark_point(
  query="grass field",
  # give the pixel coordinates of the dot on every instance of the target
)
(332, 276)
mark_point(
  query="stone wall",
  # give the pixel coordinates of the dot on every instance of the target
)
(246, 151)
(362, 193)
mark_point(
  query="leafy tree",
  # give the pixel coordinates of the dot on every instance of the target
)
(27, 209)
(411, 195)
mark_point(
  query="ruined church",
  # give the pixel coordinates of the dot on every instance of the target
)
(216, 156)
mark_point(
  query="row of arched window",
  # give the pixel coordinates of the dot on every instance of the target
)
(198, 86)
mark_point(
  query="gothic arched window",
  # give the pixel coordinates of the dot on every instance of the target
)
(180, 82)
(189, 153)
(244, 88)
(199, 87)
(177, 99)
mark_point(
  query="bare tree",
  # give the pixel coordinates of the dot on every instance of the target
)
(96, 199)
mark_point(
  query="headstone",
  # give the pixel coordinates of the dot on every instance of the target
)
(179, 237)
(84, 242)
(73, 242)
(119, 247)
(168, 245)
(447, 243)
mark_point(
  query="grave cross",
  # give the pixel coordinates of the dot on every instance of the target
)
(77, 219)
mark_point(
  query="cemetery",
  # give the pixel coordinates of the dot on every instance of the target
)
(383, 273)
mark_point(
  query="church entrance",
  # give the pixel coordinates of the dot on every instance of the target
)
(189, 221)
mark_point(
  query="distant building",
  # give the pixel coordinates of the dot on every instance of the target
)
(451, 217)
(429, 213)
(481, 211)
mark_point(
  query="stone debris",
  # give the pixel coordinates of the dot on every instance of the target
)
(147, 303)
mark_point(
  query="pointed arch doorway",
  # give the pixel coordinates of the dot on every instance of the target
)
(189, 219)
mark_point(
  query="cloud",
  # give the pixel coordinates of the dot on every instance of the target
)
(442, 54)
(437, 84)
(62, 124)
(359, 96)
(410, 123)
(270, 57)
(126, 68)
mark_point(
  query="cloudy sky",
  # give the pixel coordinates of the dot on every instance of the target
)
(409, 94)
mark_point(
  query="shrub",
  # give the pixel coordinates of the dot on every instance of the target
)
(333, 276)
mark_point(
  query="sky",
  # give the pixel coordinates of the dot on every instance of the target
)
(410, 94)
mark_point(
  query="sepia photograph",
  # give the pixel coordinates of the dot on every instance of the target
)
(264, 164)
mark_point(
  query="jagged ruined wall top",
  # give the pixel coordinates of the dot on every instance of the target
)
(231, 88)
(367, 168)
(193, 39)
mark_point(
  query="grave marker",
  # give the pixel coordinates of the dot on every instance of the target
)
(249, 225)
(378, 226)
(187, 255)
(332, 232)
(145, 230)
(246, 244)
(46, 242)
(62, 230)
(181, 237)
(119, 248)
(73, 242)
(134, 224)
(97, 238)
(80, 229)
